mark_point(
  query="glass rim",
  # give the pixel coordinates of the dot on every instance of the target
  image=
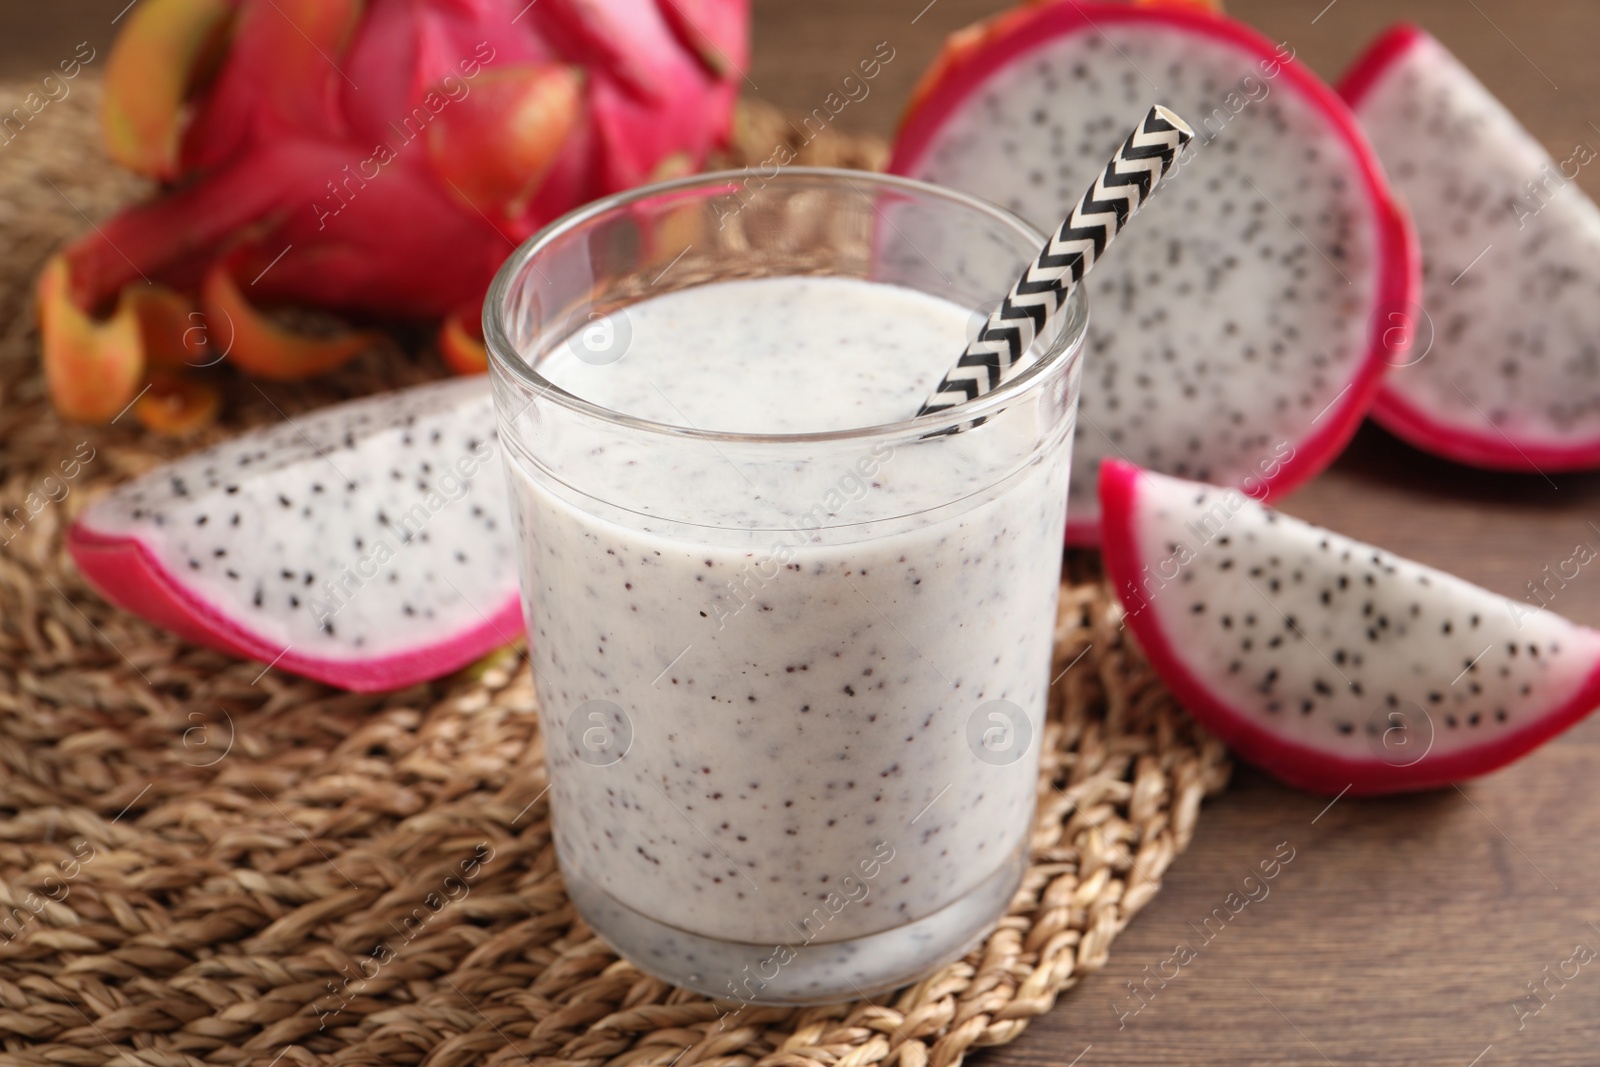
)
(504, 356)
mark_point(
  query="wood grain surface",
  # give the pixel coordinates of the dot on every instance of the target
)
(1403, 931)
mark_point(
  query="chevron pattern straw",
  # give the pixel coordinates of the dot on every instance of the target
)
(1121, 190)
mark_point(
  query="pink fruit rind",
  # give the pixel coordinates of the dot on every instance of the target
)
(1375, 62)
(129, 576)
(1390, 408)
(1298, 765)
(1401, 418)
(1399, 279)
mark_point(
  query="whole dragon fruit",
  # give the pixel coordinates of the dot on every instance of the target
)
(369, 156)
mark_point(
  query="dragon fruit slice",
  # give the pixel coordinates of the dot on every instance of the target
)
(1327, 662)
(366, 545)
(1509, 244)
(1235, 336)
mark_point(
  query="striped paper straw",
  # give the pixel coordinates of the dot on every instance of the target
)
(1121, 189)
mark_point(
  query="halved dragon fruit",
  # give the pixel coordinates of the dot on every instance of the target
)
(1329, 663)
(367, 545)
(1511, 246)
(1237, 334)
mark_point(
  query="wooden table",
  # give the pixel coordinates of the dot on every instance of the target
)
(1404, 930)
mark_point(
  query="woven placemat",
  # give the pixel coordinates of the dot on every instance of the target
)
(206, 861)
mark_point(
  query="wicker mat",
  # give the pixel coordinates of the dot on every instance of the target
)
(200, 859)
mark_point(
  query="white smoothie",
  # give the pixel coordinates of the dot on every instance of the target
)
(792, 653)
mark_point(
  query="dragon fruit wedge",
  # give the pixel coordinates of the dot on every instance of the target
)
(367, 545)
(1238, 332)
(368, 156)
(1327, 662)
(1510, 250)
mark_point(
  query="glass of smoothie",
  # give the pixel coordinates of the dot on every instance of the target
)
(791, 645)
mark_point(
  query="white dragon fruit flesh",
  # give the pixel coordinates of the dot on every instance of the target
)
(367, 545)
(1510, 255)
(1238, 331)
(1329, 663)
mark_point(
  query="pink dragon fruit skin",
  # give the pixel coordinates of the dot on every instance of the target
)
(384, 157)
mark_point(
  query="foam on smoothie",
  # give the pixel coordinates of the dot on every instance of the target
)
(773, 355)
